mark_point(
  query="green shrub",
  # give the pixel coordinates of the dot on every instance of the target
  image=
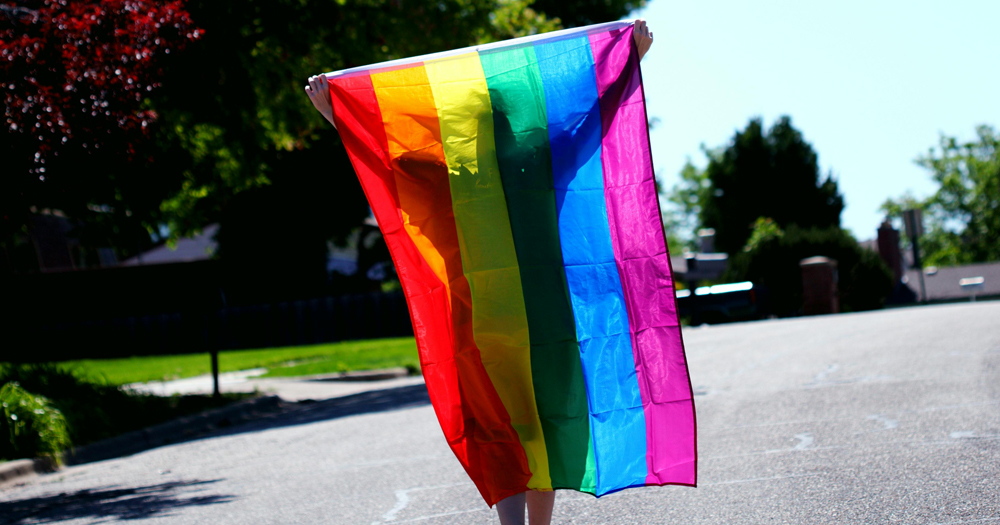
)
(31, 427)
(94, 410)
(773, 261)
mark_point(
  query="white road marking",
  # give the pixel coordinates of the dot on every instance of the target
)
(432, 516)
(753, 480)
(887, 423)
(391, 461)
(820, 377)
(805, 439)
(767, 452)
(967, 521)
(952, 407)
(702, 431)
(403, 499)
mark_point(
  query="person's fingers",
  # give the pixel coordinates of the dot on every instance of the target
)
(650, 35)
(323, 83)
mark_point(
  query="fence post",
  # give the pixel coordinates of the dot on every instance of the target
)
(215, 374)
(215, 352)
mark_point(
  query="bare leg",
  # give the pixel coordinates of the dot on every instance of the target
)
(540, 506)
(511, 510)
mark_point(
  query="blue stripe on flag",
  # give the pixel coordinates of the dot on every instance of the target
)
(617, 422)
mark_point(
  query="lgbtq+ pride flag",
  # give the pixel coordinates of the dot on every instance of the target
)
(513, 184)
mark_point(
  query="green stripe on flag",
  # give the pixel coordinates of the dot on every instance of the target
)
(522, 144)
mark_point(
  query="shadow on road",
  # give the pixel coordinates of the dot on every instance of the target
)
(305, 412)
(110, 503)
(263, 416)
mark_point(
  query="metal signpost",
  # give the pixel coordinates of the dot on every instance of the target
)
(914, 222)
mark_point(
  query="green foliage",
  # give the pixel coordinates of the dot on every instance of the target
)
(962, 219)
(230, 115)
(233, 108)
(773, 261)
(584, 12)
(245, 147)
(676, 244)
(684, 203)
(517, 18)
(773, 174)
(94, 410)
(764, 230)
(29, 425)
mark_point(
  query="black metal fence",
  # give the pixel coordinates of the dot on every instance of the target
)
(299, 322)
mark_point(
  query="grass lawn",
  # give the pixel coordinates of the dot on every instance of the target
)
(94, 410)
(288, 361)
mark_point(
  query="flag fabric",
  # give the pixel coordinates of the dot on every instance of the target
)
(513, 184)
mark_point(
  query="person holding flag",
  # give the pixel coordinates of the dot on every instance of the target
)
(539, 502)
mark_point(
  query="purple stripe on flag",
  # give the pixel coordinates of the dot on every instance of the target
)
(643, 264)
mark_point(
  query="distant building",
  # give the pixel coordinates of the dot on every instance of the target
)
(54, 242)
(708, 265)
(942, 284)
(200, 247)
(945, 284)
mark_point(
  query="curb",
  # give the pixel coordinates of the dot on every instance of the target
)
(181, 429)
(20, 468)
(174, 431)
(359, 375)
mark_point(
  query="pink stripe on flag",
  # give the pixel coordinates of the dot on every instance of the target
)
(641, 254)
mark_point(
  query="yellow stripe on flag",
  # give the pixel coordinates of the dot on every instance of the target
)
(500, 324)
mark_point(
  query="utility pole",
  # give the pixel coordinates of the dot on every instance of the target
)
(215, 353)
(913, 220)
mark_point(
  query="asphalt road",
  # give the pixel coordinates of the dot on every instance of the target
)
(884, 417)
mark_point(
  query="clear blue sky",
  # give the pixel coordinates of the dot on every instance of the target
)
(871, 85)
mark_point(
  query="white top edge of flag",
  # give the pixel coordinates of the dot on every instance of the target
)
(562, 33)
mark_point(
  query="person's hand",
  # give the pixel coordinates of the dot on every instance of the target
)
(643, 37)
(319, 94)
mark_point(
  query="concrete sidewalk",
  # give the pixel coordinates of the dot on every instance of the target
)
(288, 390)
(326, 386)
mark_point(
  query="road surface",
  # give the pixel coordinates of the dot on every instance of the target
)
(881, 417)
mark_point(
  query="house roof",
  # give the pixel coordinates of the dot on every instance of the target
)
(943, 283)
(189, 249)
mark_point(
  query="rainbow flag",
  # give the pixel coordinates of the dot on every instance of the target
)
(513, 184)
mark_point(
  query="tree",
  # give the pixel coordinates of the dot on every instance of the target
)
(259, 158)
(170, 137)
(584, 12)
(772, 259)
(962, 218)
(229, 112)
(77, 79)
(684, 201)
(773, 174)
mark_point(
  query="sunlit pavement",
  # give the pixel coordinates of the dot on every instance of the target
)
(883, 417)
(288, 388)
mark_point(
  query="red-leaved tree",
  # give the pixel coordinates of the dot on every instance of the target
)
(79, 70)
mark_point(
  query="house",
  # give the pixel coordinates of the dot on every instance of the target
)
(958, 283)
(188, 249)
(707, 265)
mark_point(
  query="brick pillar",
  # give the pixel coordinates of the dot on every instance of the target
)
(819, 286)
(888, 249)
